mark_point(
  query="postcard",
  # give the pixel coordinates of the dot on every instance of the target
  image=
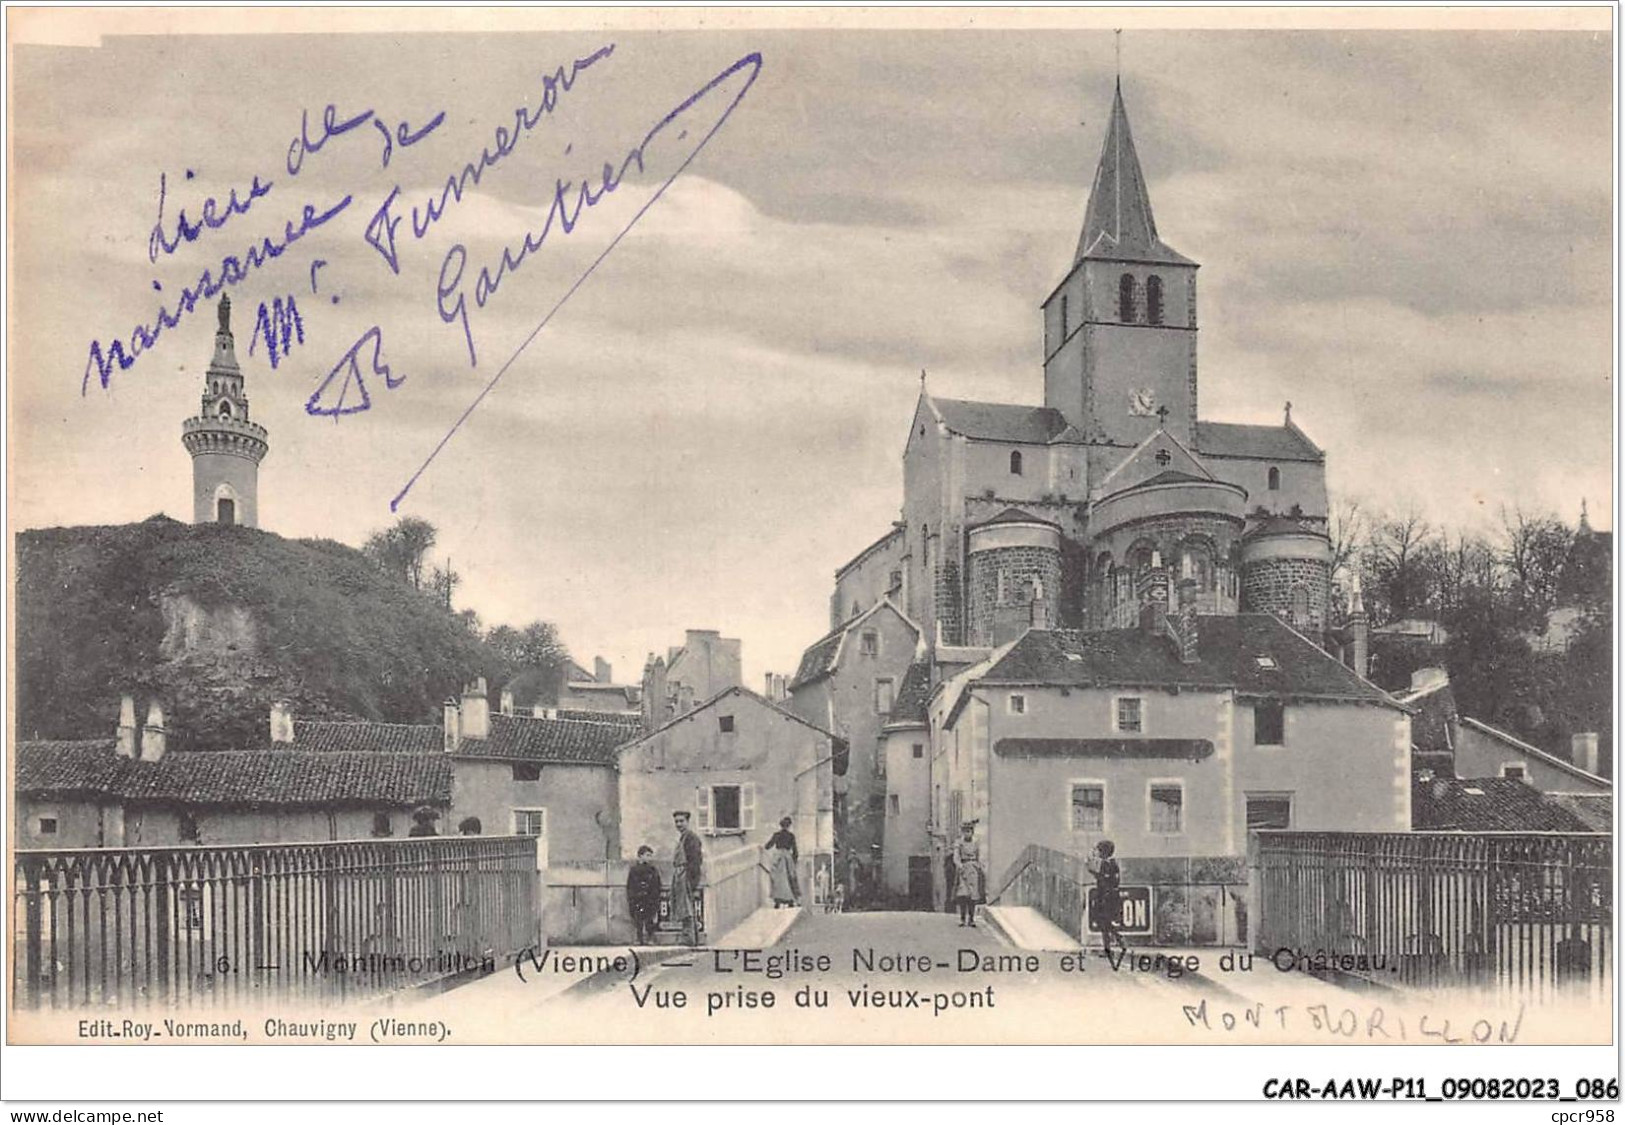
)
(828, 528)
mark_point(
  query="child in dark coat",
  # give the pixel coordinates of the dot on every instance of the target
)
(643, 894)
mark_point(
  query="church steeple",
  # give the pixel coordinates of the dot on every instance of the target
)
(1119, 224)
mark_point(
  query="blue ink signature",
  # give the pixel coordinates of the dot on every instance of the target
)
(381, 227)
(332, 126)
(233, 271)
(585, 197)
(349, 366)
(280, 326)
(159, 244)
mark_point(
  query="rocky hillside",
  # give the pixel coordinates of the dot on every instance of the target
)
(218, 622)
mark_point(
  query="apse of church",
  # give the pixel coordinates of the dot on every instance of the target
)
(1052, 516)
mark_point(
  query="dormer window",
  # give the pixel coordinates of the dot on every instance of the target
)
(1015, 462)
(1125, 299)
(1275, 479)
(1153, 300)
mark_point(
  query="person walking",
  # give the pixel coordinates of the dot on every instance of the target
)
(687, 878)
(970, 882)
(643, 895)
(782, 856)
(1106, 905)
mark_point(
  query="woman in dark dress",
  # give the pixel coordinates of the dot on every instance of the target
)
(1106, 906)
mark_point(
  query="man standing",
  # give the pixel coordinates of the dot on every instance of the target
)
(687, 878)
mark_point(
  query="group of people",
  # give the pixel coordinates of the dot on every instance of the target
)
(968, 885)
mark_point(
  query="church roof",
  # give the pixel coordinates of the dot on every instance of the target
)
(1118, 224)
(1003, 421)
(1264, 443)
(1014, 515)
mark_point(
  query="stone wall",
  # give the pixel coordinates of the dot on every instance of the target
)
(1021, 567)
(1267, 587)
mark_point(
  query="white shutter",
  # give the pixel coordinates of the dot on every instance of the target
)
(702, 806)
(747, 806)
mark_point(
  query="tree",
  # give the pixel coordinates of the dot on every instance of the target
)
(1396, 546)
(400, 551)
(442, 581)
(1533, 550)
(535, 650)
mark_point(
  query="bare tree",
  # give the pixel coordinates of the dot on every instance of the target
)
(1534, 547)
(1396, 546)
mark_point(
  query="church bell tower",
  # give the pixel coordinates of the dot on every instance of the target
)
(226, 447)
(1120, 329)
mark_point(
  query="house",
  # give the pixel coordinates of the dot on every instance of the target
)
(126, 791)
(740, 764)
(597, 690)
(847, 682)
(705, 664)
(1173, 739)
(906, 853)
(1446, 743)
(1497, 804)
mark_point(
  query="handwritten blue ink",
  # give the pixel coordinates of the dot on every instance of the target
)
(280, 326)
(349, 365)
(380, 232)
(233, 271)
(753, 62)
(158, 243)
(405, 135)
(331, 127)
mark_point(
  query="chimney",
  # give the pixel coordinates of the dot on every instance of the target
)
(543, 711)
(1185, 631)
(1152, 590)
(126, 727)
(453, 726)
(476, 712)
(153, 735)
(601, 670)
(654, 693)
(1583, 751)
(1360, 629)
(507, 701)
(281, 722)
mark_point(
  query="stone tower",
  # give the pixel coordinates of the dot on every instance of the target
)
(1120, 328)
(226, 447)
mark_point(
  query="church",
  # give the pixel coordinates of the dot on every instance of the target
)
(1109, 539)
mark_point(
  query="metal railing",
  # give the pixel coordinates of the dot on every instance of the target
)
(266, 922)
(1524, 914)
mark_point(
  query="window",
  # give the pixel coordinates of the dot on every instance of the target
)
(893, 804)
(1167, 808)
(225, 410)
(381, 826)
(725, 723)
(1153, 300)
(1269, 810)
(1300, 607)
(896, 582)
(1129, 717)
(1018, 704)
(1015, 462)
(1515, 771)
(726, 808)
(856, 609)
(47, 826)
(1275, 479)
(530, 822)
(1088, 806)
(884, 696)
(1125, 298)
(226, 513)
(1064, 317)
(1269, 723)
(188, 829)
(870, 643)
(527, 771)
(919, 750)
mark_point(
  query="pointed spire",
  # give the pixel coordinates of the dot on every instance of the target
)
(225, 348)
(1119, 223)
(1585, 519)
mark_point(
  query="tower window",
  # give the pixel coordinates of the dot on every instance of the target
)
(1300, 607)
(1063, 316)
(227, 511)
(1153, 300)
(1275, 479)
(225, 410)
(1125, 299)
(1015, 462)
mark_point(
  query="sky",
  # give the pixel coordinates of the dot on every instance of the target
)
(1407, 234)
